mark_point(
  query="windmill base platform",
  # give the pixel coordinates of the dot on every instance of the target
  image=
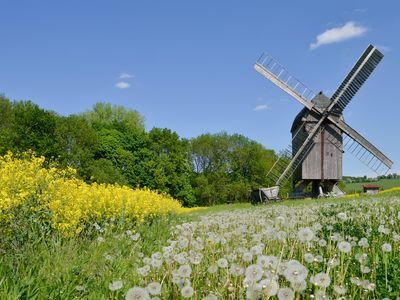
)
(319, 188)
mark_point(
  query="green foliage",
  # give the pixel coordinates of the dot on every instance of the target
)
(226, 167)
(108, 144)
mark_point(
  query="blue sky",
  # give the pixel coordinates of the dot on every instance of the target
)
(188, 65)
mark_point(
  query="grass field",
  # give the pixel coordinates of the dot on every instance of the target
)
(327, 248)
(384, 183)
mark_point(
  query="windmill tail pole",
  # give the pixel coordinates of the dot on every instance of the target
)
(300, 150)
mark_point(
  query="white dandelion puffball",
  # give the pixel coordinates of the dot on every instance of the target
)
(187, 291)
(342, 216)
(135, 237)
(137, 293)
(80, 288)
(386, 247)
(222, 263)
(115, 285)
(285, 293)
(269, 287)
(295, 271)
(305, 234)
(340, 290)
(247, 257)
(309, 257)
(254, 273)
(299, 286)
(154, 288)
(185, 271)
(212, 269)
(236, 270)
(344, 246)
(322, 280)
(210, 297)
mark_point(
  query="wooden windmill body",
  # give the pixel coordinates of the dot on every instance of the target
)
(320, 135)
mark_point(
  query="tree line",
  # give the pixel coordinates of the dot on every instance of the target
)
(109, 144)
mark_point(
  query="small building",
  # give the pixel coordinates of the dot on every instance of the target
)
(371, 189)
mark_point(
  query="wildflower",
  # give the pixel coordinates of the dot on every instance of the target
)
(339, 289)
(254, 273)
(247, 257)
(322, 280)
(365, 270)
(137, 293)
(79, 288)
(269, 287)
(115, 285)
(305, 234)
(309, 257)
(154, 288)
(222, 263)
(342, 216)
(344, 246)
(212, 269)
(386, 247)
(298, 286)
(135, 237)
(295, 271)
(363, 242)
(184, 271)
(187, 291)
(210, 297)
(236, 270)
(285, 293)
(156, 263)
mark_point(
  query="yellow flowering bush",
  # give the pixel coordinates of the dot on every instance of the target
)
(72, 203)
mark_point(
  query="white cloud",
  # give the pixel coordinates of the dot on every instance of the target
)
(261, 107)
(338, 34)
(384, 48)
(122, 85)
(126, 76)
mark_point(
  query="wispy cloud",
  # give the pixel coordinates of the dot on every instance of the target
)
(338, 34)
(126, 76)
(122, 85)
(261, 107)
(360, 10)
(384, 48)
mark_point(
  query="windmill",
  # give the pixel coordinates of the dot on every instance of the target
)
(319, 133)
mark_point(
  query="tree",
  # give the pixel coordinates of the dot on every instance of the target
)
(171, 165)
(115, 116)
(77, 144)
(226, 167)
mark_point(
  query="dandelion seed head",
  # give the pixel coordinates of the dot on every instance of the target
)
(137, 293)
(344, 246)
(187, 291)
(115, 285)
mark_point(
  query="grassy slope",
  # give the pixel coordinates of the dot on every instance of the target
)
(51, 268)
(384, 183)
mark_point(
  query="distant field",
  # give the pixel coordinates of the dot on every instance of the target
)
(384, 183)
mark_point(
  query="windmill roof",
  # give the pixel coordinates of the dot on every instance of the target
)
(320, 101)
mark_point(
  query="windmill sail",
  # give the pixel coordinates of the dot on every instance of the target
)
(364, 66)
(275, 72)
(362, 149)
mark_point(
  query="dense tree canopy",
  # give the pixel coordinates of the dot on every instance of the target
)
(109, 144)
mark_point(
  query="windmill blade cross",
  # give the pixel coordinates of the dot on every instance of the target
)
(361, 70)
